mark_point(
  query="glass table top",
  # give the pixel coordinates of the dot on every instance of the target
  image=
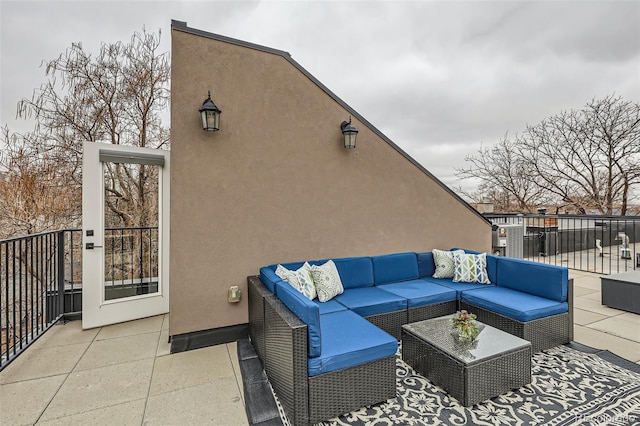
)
(440, 333)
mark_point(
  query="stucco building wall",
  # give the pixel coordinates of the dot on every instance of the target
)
(276, 184)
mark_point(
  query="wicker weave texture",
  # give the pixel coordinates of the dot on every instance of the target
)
(305, 399)
(497, 376)
(432, 311)
(256, 314)
(339, 392)
(391, 322)
(543, 333)
(286, 360)
(468, 384)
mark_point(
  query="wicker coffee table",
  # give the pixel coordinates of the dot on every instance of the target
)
(470, 372)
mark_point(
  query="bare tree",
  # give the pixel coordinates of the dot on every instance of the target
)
(505, 177)
(588, 158)
(583, 159)
(116, 97)
(36, 194)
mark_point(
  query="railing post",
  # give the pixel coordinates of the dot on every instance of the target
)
(61, 269)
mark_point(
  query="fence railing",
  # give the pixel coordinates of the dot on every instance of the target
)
(131, 261)
(598, 244)
(41, 279)
(32, 280)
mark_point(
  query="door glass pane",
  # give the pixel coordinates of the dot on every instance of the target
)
(130, 230)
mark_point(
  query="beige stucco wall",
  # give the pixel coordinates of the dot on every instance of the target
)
(275, 183)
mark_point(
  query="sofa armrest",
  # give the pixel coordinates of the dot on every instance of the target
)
(570, 302)
(286, 359)
(306, 310)
(257, 293)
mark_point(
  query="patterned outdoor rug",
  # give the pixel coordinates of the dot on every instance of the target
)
(568, 387)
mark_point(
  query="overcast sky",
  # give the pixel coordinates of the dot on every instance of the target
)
(438, 78)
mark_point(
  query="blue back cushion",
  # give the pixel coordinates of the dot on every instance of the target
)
(269, 278)
(292, 266)
(306, 310)
(426, 267)
(355, 271)
(492, 268)
(391, 268)
(548, 281)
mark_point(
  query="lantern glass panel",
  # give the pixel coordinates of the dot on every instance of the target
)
(203, 115)
(350, 140)
(210, 120)
(216, 120)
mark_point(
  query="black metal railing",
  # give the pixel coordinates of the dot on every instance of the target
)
(41, 279)
(131, 261)
(33, 277)
(598, 244)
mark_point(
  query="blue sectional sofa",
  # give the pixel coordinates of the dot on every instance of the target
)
(327, 358)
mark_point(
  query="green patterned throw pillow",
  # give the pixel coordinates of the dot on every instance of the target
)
(305, 280)
(327, 281)
(300, 279)
(470, 268)
(443, 260)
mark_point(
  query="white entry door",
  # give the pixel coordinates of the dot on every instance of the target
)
(125, 233)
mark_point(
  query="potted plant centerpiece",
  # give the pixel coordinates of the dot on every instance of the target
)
(466, 326)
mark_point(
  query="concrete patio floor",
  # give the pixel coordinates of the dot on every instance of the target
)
(123, 374)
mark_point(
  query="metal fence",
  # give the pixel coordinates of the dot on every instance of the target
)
(41, 279)
(35, 272)
(598, 244)
(131, 261)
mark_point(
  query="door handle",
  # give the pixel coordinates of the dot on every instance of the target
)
(91, 246)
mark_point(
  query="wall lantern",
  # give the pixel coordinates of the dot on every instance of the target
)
(350, 133)
(210, 114)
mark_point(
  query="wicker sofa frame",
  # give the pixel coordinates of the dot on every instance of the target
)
(392, 322)
(280, 340)
(310, 399)
(543, 333)
(256, 297)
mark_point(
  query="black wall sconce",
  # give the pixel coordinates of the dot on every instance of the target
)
(210, 115)
(350, 134)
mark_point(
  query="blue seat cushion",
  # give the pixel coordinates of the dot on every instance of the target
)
(367, 301)
(459, 287)
(329, 306)
(391, 268)
(349, 340)
(355, 271)
(420, 292)
(513, 303)
(540, 279)
(306, 310)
